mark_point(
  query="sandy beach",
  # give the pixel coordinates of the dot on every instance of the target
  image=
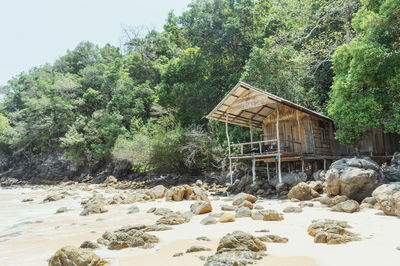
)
(31, 232)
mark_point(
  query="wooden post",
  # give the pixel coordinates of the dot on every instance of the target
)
(298, 131)
(279, 144)
(253, 170)
(229, 145)
(325, 164)
(302, 164)
(251, 133)
(268, 172)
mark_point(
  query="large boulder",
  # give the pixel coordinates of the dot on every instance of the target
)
(355, 178)
(302, 191)
(242, 197)
(175, 218)
(388, 198)
(74, 256)
(266, 215)
(392, 173)
(237, 248)
(185, 192)
(290, 179)
(128, 237)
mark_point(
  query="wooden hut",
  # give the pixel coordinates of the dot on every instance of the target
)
(290, 132)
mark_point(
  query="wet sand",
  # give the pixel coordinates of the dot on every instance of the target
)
(31, 232)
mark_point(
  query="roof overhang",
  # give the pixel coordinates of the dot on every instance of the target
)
(245, 105)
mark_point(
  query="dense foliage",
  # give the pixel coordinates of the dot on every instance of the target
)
(147, 102)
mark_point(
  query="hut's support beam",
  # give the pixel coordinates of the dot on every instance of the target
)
(268, 172)
(279, 145)
(229, 146)
(298, 131)
(325, 164)
(302, 164)
(253, 170)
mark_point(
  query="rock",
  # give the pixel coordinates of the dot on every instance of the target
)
(332, 201)
(246, 204)
(245, 183)
(201, 207)
(369, 202)
(175, 193)
(238, 248)
(136, 196)
(199, 183)
(273, 239)
(294, 200)
(175, 218)
(146, 228)
(266, 215)
(203, 238)
(331, 232)
(241, 197)
(111, 180)
(128, 237)
(151, 210)
(388, 198)
(89, 245)
(348, 206)
(157, 192)
(162, 211)
(53, 197)
(306, 204)
(208, 220)
(262, 231)
(179, 254)
(217, 214)
(243, 212)
(290, 179)
(392, 173)
(70, 255)
(94, 205)
(228, 208)
(226, 218)
(317, 186)
(133, 209)
(355, 178)
(197, 249)
(292, 209)
(61, 210)
(27, 200)
(301, 191)
(258, 207)
(319, 175)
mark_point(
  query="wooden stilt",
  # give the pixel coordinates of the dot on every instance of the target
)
(253, 170)
(229, 146)
(325, 164)
(268, 172)
(279, 144)
(302, 164)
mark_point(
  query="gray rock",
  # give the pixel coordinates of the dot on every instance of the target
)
(208, 220)
(388, 198)
(70, 255)
(243, 212)
(197, 249)
(290, 209)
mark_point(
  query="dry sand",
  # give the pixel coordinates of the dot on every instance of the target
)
(31, 232)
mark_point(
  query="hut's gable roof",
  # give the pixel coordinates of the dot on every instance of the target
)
(245, 103)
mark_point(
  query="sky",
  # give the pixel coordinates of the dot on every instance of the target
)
(33, 32)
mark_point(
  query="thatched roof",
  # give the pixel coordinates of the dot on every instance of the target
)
(246, 104)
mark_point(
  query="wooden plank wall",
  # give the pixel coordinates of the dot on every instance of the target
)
(322, 147)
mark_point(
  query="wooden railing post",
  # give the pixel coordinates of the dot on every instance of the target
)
(279, 144)
(229, 145)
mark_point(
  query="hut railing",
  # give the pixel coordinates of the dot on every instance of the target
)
(264, 147)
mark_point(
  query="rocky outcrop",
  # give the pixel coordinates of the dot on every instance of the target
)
(388, 198)
(331, 232)
(237, 248)
(185, 192)
(201, 207)
(319, 175)
(94, 205)
(70, 255)
(302, 191)
(157, 192)
(392, 173)
(355, 178)
(369, 203)
(348, 206)
(331, 201)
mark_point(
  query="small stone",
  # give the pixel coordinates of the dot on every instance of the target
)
(197, 249)
(258, 207)
(27, 200)
(201, 207)
(203, 238)
(228, 208)
(227, 218)
(89, 245)
(61, 210)
(180, 254)
(133, 209)
(262, 231)
(306, 204)
(243, 212)
(290, 209)
(208, 220)
(151, 210)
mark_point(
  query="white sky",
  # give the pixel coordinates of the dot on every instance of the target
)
(33, 32)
